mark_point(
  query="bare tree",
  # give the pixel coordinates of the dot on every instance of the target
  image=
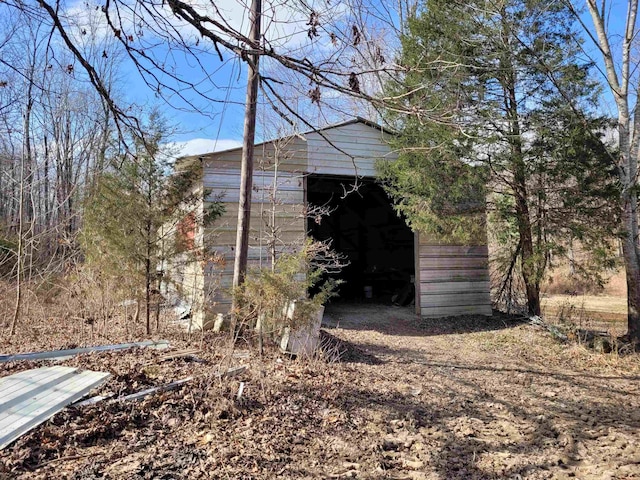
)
(54, 135)
(622, 79)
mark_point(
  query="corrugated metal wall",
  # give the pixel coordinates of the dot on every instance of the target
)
(450, 279)
(347, 150)
(222, 180)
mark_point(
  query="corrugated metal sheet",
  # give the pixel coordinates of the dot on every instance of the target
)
(62, 354)
(348, 149)
(31, 397)
(296, 157)
(452, 280)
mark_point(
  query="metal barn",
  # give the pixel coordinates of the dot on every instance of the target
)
(295, 177)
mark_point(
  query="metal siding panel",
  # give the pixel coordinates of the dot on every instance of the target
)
(457, 310)
(295, 160)
(43, 398)
(453, 263)
(454, 299)
(224, 184)
(160, 344)
(227, 237)
(362, 142)
(454, 279)
(454, 250)
(428, 288)
(15, 387)
(445, 275)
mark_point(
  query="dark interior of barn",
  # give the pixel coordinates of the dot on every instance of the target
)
(364, 227)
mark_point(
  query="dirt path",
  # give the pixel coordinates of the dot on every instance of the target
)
(477, 399)
(472, 398)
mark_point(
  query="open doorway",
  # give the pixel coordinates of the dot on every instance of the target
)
(376, 241)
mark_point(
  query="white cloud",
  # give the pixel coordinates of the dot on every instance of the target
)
(199, 146)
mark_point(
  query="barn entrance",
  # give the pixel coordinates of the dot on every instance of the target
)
(364, 227)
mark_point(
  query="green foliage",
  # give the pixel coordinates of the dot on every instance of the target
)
(266, 292)
(436, 183)
(125, 211)
(213, 209)
(442, 196)
(111, 234)
(182, 185)
(510, 118)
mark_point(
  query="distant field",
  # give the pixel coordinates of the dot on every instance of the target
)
(606, 312)
(603, 308)
(608, 304)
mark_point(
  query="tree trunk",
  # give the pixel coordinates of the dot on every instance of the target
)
(528, 266)
(572, 258)
(527, 258)
(158, 299)
(246, 173)
(147, 279)
(18, 305)
(27, 166)
(47, 208)
(136, 315)
(627, 173)
(618, 81)
(632, 266)
(20, 264)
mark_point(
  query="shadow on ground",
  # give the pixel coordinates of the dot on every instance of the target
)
(456, 428)
(394, 320)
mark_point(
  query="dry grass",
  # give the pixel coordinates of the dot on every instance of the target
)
(570, 300)
(532, 345)
(61, 316)
(561, 282)
(590, 312)
(589, 303)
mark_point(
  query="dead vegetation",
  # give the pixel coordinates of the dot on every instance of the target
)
(391, 398)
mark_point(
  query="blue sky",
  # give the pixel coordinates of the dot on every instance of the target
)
(215, 117)
(215, 121)
(221, 125)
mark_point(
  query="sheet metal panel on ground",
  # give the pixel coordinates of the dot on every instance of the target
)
(31, 397)
(64, 354)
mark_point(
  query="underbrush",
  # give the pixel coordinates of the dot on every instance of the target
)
(591, 343)
(71, 311)
(562, 282)
(538, 348)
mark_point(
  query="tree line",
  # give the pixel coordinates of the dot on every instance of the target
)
(499, 100)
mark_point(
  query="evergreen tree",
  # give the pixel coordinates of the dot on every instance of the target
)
(501, 128)
(125, 213)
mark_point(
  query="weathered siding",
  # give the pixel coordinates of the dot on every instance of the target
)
(291, 153)
(452, 279)
(222, 182)
(185, 275)
(347, 150)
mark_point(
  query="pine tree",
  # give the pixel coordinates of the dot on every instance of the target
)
(501, 128)
(124, 213)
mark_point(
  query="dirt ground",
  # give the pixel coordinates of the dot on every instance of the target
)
(465, 398)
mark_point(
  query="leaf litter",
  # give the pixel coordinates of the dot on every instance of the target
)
(391, 397)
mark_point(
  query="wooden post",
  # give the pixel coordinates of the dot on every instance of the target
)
(246, 171)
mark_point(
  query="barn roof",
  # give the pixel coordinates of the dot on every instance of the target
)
(369, 123)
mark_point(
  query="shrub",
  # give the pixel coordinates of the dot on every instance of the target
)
(265, 295)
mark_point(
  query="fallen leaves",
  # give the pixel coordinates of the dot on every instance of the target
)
(405, 402)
